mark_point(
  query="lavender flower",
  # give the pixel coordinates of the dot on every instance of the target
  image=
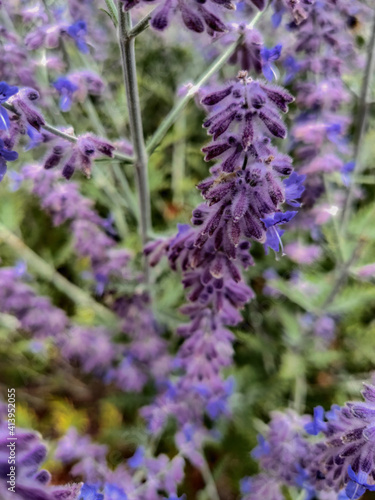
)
(23, 103)
(345, 458)
(273, 236)
(127, 366)
(66, 89)
(248, 53)
(6, 91)
(78, 32)
(5, 155)
(323, 45)
(31, 482)
(126, 482)
(268, 57)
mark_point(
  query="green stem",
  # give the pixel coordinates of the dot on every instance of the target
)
(68, 137)
(141, 26)
(127, 192)
(178, 160)
(362, 124)
(47, 272)
(136, 127)
(341, 277)
(340, 244)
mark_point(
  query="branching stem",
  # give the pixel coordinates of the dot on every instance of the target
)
(126, 43)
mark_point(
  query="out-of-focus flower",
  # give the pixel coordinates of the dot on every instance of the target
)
(78, 32)
(66, 89)
(269, 56)
(6, 91)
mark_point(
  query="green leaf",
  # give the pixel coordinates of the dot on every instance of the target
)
(113, 14)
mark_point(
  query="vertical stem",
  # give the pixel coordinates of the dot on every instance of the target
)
(135, 118)
(178, 160)
(362, 122)
(209, 480)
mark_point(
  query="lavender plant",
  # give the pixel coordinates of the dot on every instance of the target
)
(93, 293)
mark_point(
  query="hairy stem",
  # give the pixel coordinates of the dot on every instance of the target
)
(48, 273)
(136, 128)
(141, 26)
(362, 123)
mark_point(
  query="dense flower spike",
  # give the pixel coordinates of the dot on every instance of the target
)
(346, 456)
(322, 51)
(341, 461)
(244, 193)
(246, 188)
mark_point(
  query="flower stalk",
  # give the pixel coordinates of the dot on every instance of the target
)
(362, 123)
(127, 48)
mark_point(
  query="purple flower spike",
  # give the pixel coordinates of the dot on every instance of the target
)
(6, 91)
(66, 89)
(78, 32)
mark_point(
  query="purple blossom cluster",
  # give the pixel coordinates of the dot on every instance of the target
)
(144, 477)
(31, 482)
(243, 200)
(323, 45)
(76, 86)
(50, 36)
(340, 461)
